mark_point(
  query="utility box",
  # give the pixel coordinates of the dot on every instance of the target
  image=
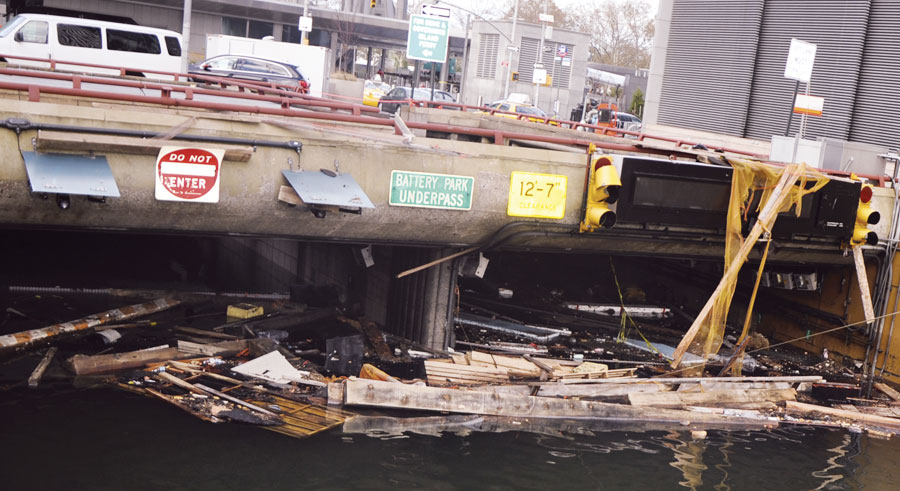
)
(831, 154)
(312, 61)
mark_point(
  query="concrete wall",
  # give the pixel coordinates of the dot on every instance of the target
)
(491, 89)
(657, 62)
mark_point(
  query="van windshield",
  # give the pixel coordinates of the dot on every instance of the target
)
(11, 26)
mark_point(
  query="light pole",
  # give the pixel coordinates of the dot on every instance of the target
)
(511, 42)
(511, 51)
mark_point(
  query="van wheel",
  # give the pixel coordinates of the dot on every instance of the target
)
(129, 73)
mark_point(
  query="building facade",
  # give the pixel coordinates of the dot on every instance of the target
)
(491, 62)
(719, 67)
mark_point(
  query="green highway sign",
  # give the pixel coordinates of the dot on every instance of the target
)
(423, 190)
(427, 40)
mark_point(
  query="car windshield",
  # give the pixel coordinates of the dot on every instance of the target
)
(8, 28)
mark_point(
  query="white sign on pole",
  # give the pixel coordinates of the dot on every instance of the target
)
(800, 61)
(434, 10)
(539, 76)
(545, 18)
(548, 32)
(305, 24)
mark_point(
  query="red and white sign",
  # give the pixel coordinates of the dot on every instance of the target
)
(188, 174)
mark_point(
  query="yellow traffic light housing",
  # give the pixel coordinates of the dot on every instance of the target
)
(372, 5)
(865, 216)
(603, 190)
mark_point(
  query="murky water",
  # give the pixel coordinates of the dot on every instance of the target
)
(65, 438)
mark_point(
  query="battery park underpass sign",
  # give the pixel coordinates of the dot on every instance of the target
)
(424, 190)
(427, 40)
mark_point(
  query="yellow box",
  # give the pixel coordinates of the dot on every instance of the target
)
(244, 311)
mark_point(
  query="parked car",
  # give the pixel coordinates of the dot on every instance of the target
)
(374, 91)
(251, 69)
(535, 114)
(403, 94)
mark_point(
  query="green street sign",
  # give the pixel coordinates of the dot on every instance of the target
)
(427, 40)
(423, 190)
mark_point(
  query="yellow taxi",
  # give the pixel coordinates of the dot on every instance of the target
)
(373, 92)
(533, 113)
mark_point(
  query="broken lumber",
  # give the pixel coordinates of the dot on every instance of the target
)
(862, 281)
(26, 339)
(358, 392)
(205, 333)
(87, 365)
(711, 398)
(224, 348)
(39, 370)
(812, 411)
(696, 380)
(598, 390)
(764, 222)
(888, 391)
(234, 400)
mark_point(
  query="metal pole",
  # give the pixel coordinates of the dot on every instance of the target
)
(186, 34)
(305, 14)
(540, 56)
(510, 52)
(465, 70)
(787, 130)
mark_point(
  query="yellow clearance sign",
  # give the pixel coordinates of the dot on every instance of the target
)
(536, 195)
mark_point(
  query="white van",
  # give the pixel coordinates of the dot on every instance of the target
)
(136, 48)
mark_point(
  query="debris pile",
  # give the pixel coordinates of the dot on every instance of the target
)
(299, 371)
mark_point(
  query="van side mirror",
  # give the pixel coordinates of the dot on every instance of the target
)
(205, 66)
(19, 37)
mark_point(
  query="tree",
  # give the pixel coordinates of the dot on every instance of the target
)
(637, 103)
(621, 31)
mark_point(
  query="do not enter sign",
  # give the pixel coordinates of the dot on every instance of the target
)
(188, 174)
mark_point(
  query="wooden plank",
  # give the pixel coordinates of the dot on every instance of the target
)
(888, 391)
(376, 393)
(287, 194)
(168, 377)
(862, 280)
(58, 140)
(223, 348)
(711, 398)
(598, 390)
(704, 385)
(204, 332)
(39, 370)
(235, 400)
(813, 411)
(496, 360)
(87, 365)
(688, 380)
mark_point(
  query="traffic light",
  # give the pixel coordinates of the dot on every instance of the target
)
(865, 216)
(372, 4)
(603, 190)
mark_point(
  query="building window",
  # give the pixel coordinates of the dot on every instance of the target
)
(487, 55)
(259, 29)
(232, 26)
(290, 33)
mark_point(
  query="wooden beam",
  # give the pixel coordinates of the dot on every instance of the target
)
(764, 222)
(696, 380)
(38, 372)
(287, 194)
(376, 393)
(87, 365)
(48, 141)
(235, 400)
(863, 280)
(598, 390)
(888, 391)
(204, 332)
(813, 411)
(711, 398)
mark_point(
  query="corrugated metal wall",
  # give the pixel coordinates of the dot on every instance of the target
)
(709, 64)
(724, 69)
(875, 113)
(488, 49)
(838, 29)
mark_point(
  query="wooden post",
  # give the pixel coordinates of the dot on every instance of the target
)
(863, 279)
(766, 218)
(38, 372)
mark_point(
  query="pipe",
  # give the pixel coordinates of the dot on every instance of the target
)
(20, 124)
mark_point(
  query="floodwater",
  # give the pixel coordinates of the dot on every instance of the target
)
(59, 437)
